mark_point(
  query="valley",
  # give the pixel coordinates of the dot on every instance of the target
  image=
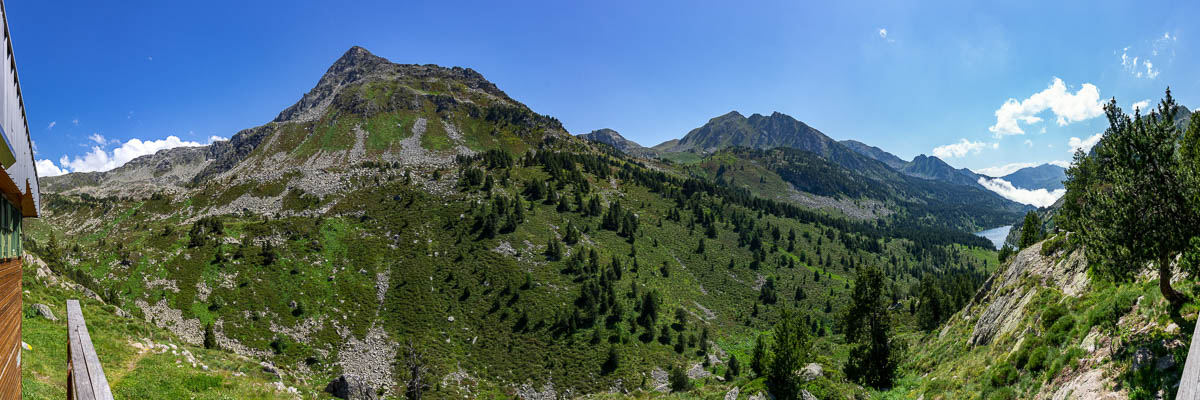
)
(412, 231)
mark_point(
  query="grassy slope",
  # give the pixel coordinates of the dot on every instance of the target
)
(949, 368)
(437, 269)
(132, 373)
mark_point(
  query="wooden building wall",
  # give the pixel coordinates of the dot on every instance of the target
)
(10, 328)
(10, 301)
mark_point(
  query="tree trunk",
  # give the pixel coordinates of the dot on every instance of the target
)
(1164, 282)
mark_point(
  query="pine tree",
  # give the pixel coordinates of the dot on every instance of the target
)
(1031, 230)
(554, 250)
(760, 359)
(790, 350)
(1135, 201)
(612, 362)
(679, 380)
(572, 235)
(733, 369)
(874, 355)
(210, 337)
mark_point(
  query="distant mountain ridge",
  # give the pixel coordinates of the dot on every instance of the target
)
(877, 153)
(614, 139)
(933, 168)
(1045, 176)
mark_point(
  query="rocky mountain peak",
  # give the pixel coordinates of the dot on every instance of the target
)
(358, 65)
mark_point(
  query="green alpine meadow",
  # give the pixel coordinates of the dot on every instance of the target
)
(412, 229)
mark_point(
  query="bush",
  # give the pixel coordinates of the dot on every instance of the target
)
(1110, 308)
(1021, 357)
(1053, 245)
(1037, 359)
(1052, 314)
(679, 380)
(1060, 330)
(1004, 374)
(1068, 360)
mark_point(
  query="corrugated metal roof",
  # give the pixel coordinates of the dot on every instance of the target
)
(23, 171)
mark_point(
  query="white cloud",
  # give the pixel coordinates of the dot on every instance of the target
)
(101, 160)
(1002, 170)
(214, 139)
(1136, 60)
(1037, 198)
(47, 168)
(1083, 144)
(75, 121)
(1028, 142)
(883, 34)
(960, 149)
(1067, 108)
(96, 137)
(1141, 105)
(52, 124)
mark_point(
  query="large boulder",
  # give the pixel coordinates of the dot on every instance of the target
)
(811, 372)
(44, 311)
(351, 387)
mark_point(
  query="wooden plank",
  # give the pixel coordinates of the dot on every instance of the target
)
(1189, 383)
(79, 382)
(95, 370)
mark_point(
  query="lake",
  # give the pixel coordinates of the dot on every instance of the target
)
(996, 235)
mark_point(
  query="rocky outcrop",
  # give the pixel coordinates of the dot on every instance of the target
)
(44, 311)
(811, 372)
(350, 387)
(1006, 296)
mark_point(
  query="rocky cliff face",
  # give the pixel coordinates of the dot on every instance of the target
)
(1004, 297)
(1051, 332)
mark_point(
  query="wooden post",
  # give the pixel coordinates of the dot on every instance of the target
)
(85, 377)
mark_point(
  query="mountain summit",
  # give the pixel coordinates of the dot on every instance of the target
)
(757, 131)
(614, 139)
(359, 66)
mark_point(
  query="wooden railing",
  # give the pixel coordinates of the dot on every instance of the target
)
(1189, 383)
(85, 377)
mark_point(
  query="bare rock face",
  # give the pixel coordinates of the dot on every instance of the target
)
(351, 387)
(1006, 293)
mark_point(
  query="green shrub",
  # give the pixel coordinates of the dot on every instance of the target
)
(1053, 245)
(1004, 374)
(1110, 307)
(1061, 330)
(1021, 357)
(1068, 360)
(1051, 315)
(1037, 359)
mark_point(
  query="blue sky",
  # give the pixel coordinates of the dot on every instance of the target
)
(104, 82)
